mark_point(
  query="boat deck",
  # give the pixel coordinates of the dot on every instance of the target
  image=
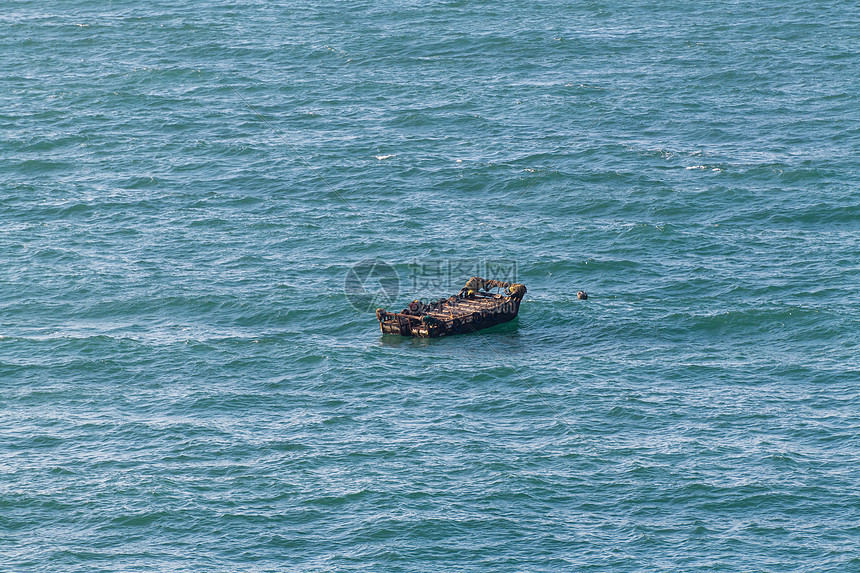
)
(467, 312)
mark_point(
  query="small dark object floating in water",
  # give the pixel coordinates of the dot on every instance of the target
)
(469, 311)
(581, 295)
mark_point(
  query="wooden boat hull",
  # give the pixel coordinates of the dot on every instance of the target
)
(459, 314)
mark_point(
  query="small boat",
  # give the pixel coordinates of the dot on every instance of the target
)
(473, 309)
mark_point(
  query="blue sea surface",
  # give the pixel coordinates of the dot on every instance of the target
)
(190, 381)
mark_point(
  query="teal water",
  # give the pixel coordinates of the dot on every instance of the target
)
(186, 386)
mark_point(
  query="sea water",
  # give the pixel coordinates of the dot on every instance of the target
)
(202, 203)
